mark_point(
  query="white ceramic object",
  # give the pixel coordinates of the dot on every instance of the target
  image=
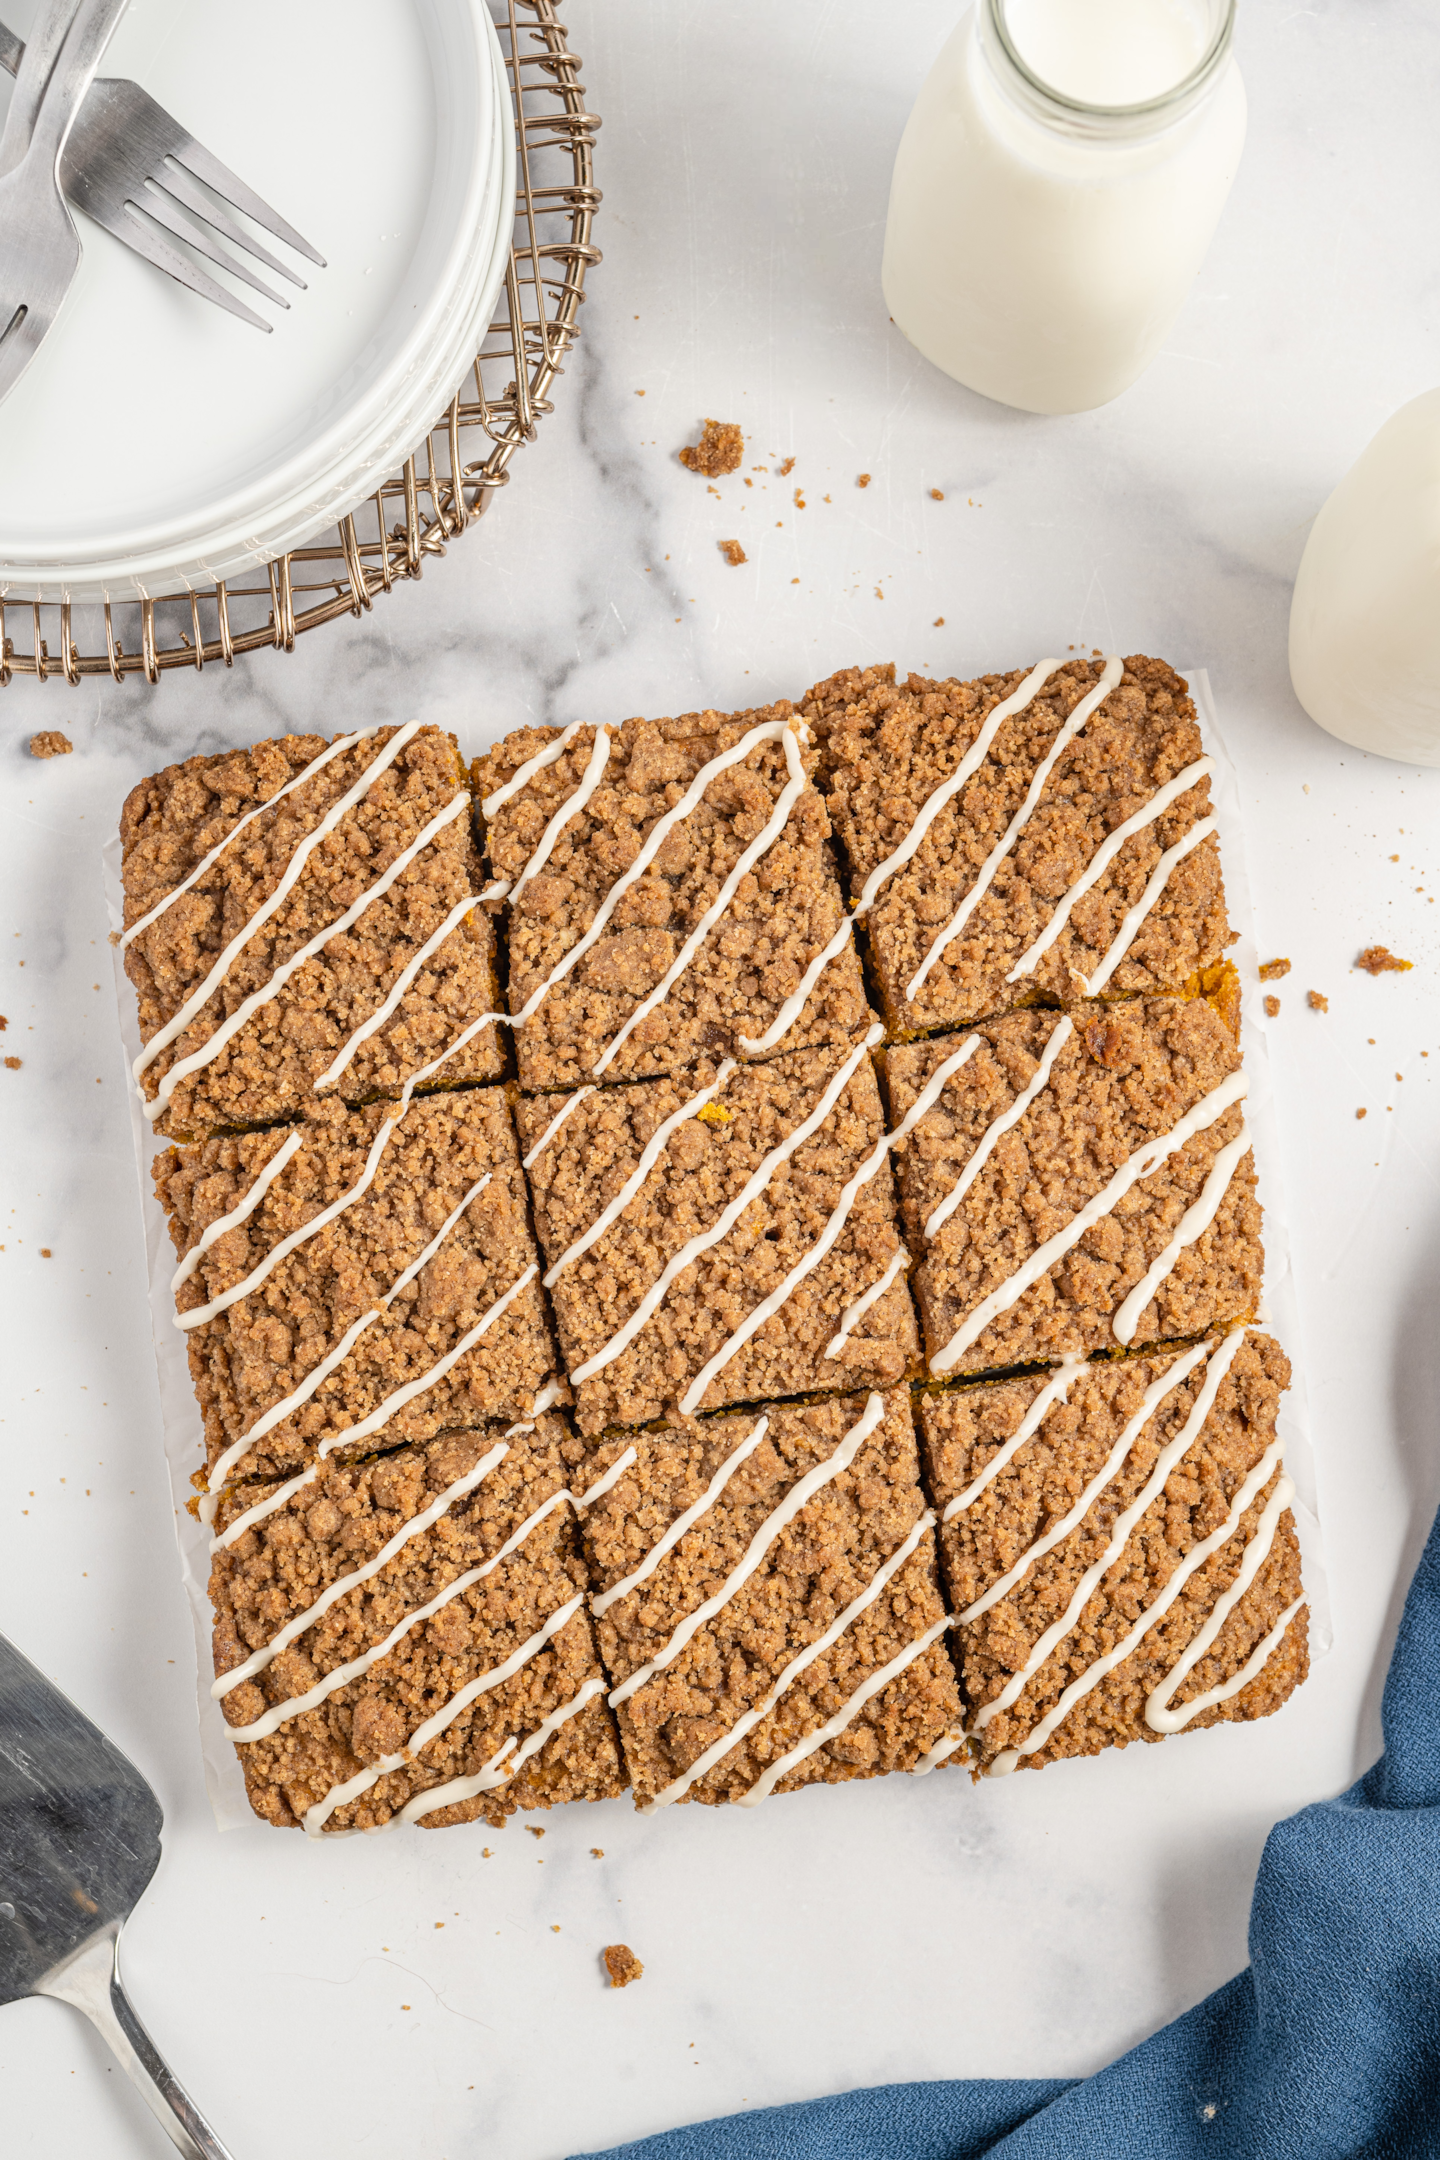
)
(1055, 191)
(1365, 619)
(159, 444)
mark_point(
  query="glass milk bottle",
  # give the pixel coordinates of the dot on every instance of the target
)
(1055, 190)
(1365, 619)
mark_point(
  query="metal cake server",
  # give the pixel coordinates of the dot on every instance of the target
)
(39, 246)
(79, 1841)
(132, 167)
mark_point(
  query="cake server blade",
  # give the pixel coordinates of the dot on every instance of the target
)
(79, 1842)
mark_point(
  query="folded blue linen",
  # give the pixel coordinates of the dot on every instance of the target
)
(1327, 2048)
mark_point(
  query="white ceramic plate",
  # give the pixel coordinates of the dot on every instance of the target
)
(157, 443)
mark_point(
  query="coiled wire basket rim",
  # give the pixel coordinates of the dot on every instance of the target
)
(440, 491)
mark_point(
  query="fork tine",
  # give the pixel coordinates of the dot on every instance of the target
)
(19, 341)
(179, 183)
(158, 205)
(137, 233)
(208, 168)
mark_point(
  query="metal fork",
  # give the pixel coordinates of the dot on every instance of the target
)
(127, 162)
(39, 246)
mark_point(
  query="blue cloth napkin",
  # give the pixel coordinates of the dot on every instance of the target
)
(1328, 2048)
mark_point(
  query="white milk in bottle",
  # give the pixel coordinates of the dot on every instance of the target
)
(1365, 619)
(1056, 187)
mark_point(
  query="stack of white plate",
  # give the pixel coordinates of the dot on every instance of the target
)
(157, 444)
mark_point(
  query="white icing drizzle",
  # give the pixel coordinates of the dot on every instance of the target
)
(405, 978)
(281, 1713)
(943, 1749)
(1162, 1719)
(764, 840)
(1154, 1395)
(797, 1498)
(1159, 879)
(650, 1155)
(1054, 1391)
(573, 804)
(387, 1408)
(458, 1789)
(1193, 1224)
(341, 1795)
(994, 1132)
(684, 1522)
(1172, 1453)
(797, 1665)
(571, 1102)
(239, 1213)
(181, 1020)
(846, 1715)
(1104, 855)
(856, 1312)
(215, 1042)
(729, 1216)
(1141, 1164)
(547, 1398)
(611, 1478)
(850, 1192)
(344, 1584)
(526, 772)
(342, 743)
(1110, 676)
(1195, 1559)
(934, 803)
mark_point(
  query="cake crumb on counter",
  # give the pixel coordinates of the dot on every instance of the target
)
(1317, 1001)
(1379, 960)
(862, 479)
(1272, 970)
(733, 553)
(1272, 1007)
(50, 743)
(719, 450)
(1360, 1113)
(622, 1964)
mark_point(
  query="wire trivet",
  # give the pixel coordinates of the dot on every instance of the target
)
(438, 493)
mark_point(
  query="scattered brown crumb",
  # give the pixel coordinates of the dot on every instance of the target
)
(719, 450)
(554, 1927)
(1379, 960)
(799, 500)
(1359, 1113)
(1317, 1001)
(787, 467)
(936, 495)
(1394, 858)
(12, 1064)
(862, 479)
(733, 553)
(45, 1253)
(50, 743)
(939, 623)
(533, 1831)
(639, 393)
(622, 1964)
(4, 1023)
(1272, 970)
(878, 594)
(597, 1852)
(1272, 1006)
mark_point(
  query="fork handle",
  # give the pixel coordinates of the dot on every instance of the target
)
(91, 1981)
(12, 50)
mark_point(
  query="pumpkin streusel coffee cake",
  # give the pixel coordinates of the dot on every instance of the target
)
(721, 1237)
(1082, 1180)
(670, 881)
(1119, 1549)
(364, 1278)
(1025, 838)
(438, 1595)
(408, 1636)
(302, 918)
(766, 1595)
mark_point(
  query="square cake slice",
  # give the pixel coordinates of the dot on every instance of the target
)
(407, 1635)
(672, 883)
(1081, 1181)
(1119, 1548)
(724, 1236)
(357, 1281)
(1047, 835)
(768, 1601)
(296, 921)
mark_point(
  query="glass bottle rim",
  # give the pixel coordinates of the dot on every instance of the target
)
(1079, 115)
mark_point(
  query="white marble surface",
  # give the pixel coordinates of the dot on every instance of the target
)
(895, 1930)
